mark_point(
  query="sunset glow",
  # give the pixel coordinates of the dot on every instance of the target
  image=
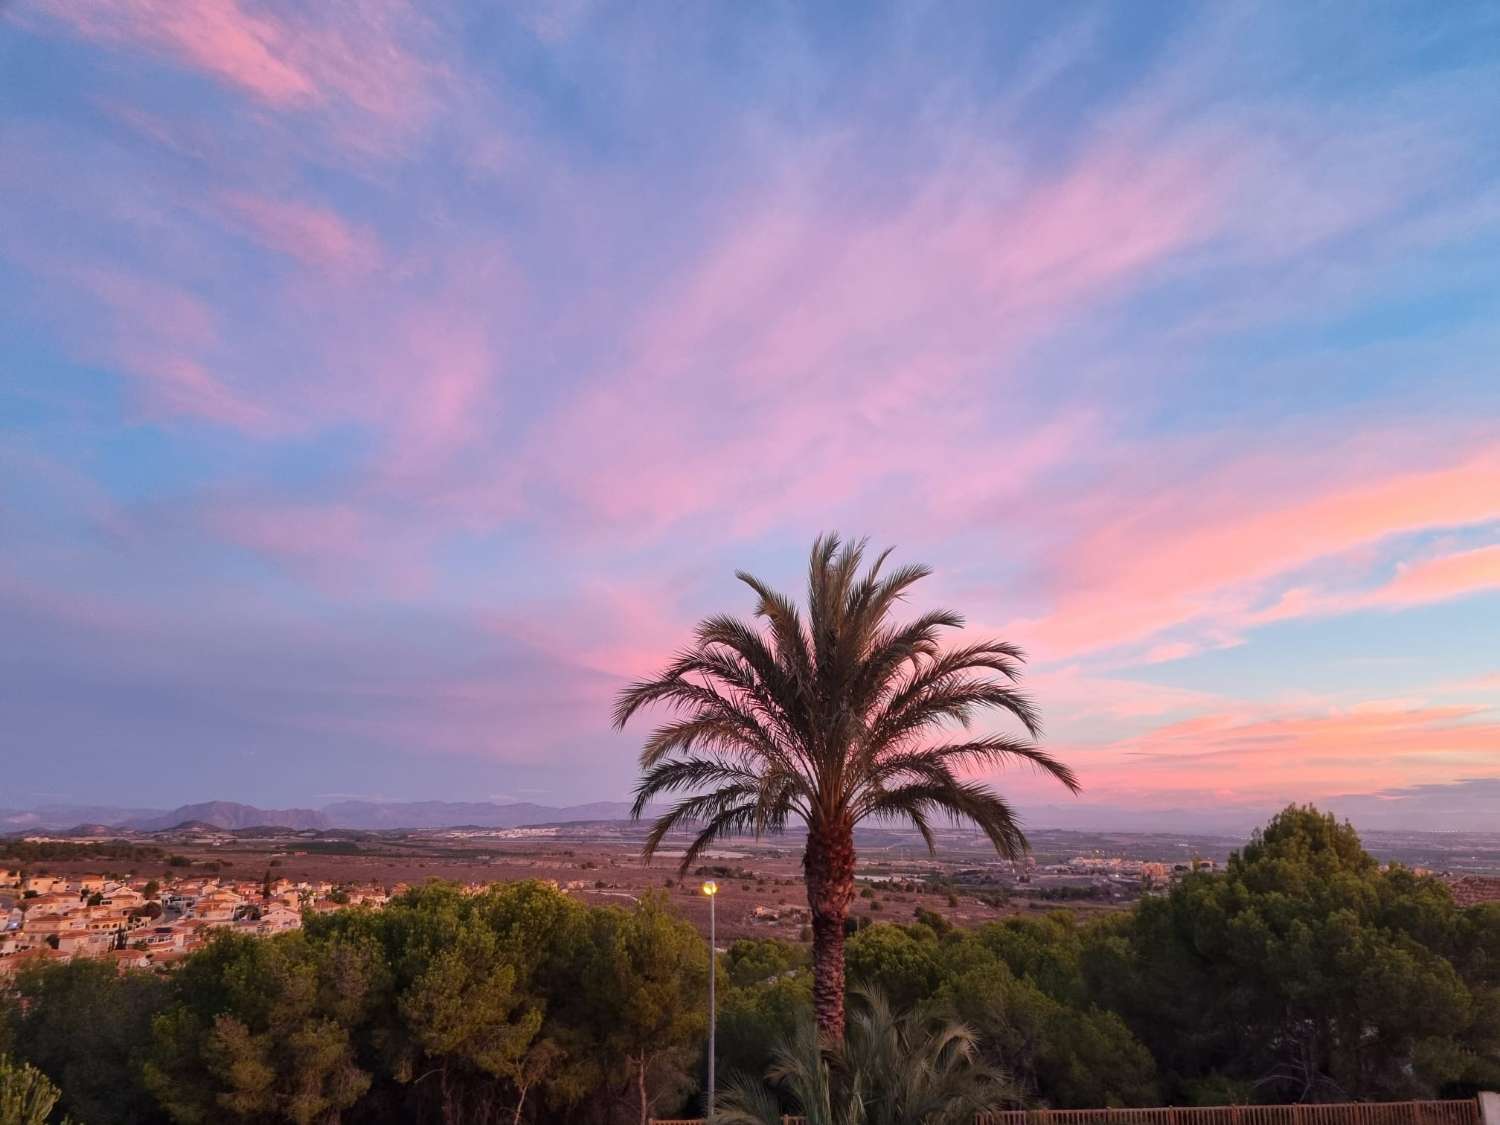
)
(382, 384)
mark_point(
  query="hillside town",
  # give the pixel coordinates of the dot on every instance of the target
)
(145, 922)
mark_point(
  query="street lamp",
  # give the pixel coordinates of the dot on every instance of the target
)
(711, 889)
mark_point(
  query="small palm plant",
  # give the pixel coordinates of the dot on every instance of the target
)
(802, 1073)
(26, 1094)
(920, 1068)
(832, 720)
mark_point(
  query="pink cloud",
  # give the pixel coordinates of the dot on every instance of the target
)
(313, 235)
(439, 376)
(619, 630)
(1485, 683)
(1203, 553)
(181, 385)
(409, 350)
(1075, 695)
(1245, 756)
(416, 362)
(216, 36)
(166, 337)
(363, 57)
(847, 344)
(1172, 650)
(414, 352)
(810, 293)
(1418, 582)
(313, 531)
(345, 549)
(1437, 579)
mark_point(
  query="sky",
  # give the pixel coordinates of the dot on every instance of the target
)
(384, 384)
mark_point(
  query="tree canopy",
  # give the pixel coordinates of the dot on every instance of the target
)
(1305, 970)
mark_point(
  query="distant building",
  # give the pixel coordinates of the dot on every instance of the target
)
(1155, 874)
(83, 943)
(1472, 890)
(217, 906)
(130, 958)
(278, 919)
(45, 955)
(124, 898)
(44, 924)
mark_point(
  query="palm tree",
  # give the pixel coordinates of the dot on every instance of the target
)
(830, 721)
(920, 1068)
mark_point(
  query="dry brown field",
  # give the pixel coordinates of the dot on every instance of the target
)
(600, 873)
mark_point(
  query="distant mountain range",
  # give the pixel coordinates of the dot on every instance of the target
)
(449, 814)
(344, 814)
(1472, 805)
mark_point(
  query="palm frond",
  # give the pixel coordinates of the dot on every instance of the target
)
(701, 701)
(690, 773)
(874, 600)
(736, 821)
(960, 801)
(749, 645)
(954, 701)
(787, 631)
(704, 806)
(966, 666)
(992, 752)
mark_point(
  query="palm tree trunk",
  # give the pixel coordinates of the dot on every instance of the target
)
(829, 867)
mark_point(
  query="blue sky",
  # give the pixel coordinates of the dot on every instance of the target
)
(382, 385)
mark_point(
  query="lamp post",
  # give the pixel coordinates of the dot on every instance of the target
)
(711, 889)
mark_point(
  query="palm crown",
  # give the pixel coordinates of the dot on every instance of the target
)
(844, 715)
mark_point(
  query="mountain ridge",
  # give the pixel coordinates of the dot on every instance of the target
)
(231, 815)
(1473, 806)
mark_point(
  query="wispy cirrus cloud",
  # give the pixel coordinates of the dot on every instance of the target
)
(1202, 552)
(363, 64)
(170, 340)
(858, 342)
(1421, 581)
(219, 37)
(486, 332)
(316, 236)
(1282, 754)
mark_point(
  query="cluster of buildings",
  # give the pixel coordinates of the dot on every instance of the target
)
(1113, 877)
(1150, 873)
(141, 922)
(1473, 890)
(525, 833)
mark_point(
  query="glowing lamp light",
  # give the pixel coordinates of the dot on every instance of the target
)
(710, 889)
